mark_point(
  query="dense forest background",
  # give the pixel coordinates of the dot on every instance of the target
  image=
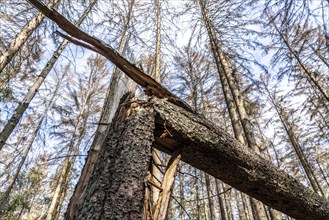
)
(258, 69)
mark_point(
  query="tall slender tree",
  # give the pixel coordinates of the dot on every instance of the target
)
(5, 196)
(20, 39)
(117, 88)
(24, 104)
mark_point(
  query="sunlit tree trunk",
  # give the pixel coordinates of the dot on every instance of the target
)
(223, 71)
(20, 38)
(6, 195)
(210, 197)
(295, 144)
(22, 106)
(220, 201)
(204, 196)
(197, 194)
(157, 76)
(181, 193)
(161, 208)
(239, 203)
(246, 206)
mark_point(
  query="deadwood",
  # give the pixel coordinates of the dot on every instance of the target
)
(204, 146)
(208, 148)
(117, 185)
(85, 40)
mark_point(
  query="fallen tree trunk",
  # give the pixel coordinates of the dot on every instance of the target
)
(204, 146)
(208, 148)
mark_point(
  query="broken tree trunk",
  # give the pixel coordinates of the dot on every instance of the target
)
(117, 183)
(212, 150)
(116, 189)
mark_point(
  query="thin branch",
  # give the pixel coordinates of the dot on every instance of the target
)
(181, 206)
(59, 157)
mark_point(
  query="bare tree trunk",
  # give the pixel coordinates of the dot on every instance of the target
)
(181, 193)
(197, 196)
(322, 172)
(246, 206)
(295, 144)
(22, 106)
(210, 197)
(204, 196)
(61, 200)
(239, 204)
(166, 187)
(20, 38)
(115, 92)
(224, 71)
(72, 150)
(157, 76)
(6, 195)
(253, 175)
(245, 121)
(68, 172)
(116, 188)
(220, 201)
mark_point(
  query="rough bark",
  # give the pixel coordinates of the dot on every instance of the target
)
(114, 93)
(205, 147)
(234, 107)
(116, 188)
(214, 151)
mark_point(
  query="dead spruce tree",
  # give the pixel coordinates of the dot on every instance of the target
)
(117, 186)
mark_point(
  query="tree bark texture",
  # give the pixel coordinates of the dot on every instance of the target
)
(115, 92)
(117, 183)
(212, 150)
(116, 188)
